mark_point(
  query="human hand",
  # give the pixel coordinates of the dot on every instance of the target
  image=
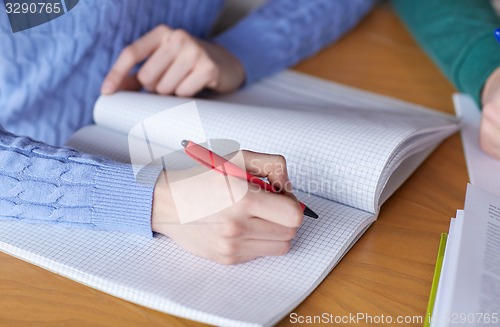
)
(490, 122)
(260, 224)
(176, 63)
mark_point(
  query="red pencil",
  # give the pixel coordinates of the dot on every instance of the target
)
(214, 161)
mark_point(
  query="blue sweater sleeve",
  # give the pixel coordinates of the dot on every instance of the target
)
(282, 32)
(45, 184)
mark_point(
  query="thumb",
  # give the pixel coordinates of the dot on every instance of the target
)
(271, 166)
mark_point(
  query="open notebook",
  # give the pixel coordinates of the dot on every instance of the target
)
(358, 148)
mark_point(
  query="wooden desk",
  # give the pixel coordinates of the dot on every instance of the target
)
(390, 268)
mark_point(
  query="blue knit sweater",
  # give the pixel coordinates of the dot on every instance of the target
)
(50, 77)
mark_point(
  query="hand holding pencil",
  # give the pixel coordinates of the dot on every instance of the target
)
(262, 223)
(213, 161)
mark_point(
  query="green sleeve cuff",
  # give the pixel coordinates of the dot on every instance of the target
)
(476, 65)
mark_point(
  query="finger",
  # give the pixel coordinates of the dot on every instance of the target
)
(264, 165)
(275, 208)
(261, 248)
(491, 113)
(131, 83)
(203, 75)
(490, 130)
(131, 56)
(259, 229)
(156, 66)
(488, 143)
(178, 70)
(232, 260)
(271, 166)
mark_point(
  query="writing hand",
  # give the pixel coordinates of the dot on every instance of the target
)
(260, 224)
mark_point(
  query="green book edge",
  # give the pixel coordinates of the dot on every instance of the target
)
(435, 279)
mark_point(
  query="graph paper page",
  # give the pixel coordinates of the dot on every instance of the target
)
(339, 154)
(158, 274)
(329, 153)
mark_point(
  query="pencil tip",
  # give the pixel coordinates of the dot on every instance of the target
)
(184, 143)
(308, 212)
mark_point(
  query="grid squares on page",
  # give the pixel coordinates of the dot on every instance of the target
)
(157, 273)
(354, 158)
(128, 266)
(356, 142)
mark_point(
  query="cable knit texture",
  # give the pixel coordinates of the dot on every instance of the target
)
(41, 183)
(283, 32)
(50, 78)
(50, 75)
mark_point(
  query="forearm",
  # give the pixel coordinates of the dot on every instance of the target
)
(44, 184)
(458, 35)
(282, 32)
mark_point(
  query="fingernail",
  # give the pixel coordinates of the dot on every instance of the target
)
(107, 87)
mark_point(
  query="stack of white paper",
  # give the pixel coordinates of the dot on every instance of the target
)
(469, 285)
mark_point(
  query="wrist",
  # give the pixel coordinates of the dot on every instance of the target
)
(235, 65)
(232, 73)
(163, 211)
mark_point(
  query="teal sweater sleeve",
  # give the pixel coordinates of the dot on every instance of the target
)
(50, 185)
(458, 35)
